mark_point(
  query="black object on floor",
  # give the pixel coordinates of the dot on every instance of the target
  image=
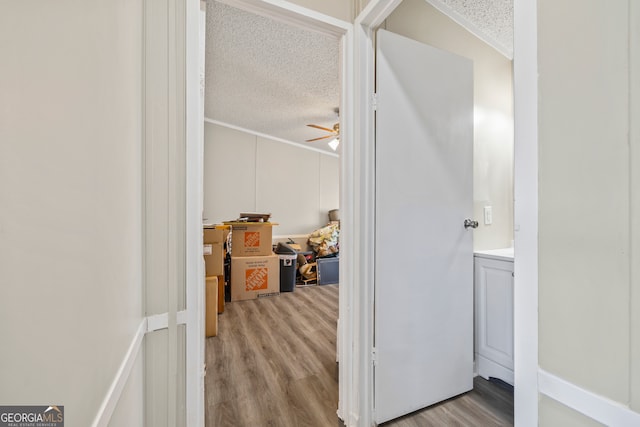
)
(328, 270)
(288, 268)
(500, 383)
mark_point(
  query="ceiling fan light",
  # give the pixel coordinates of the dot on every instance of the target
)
(334, 144)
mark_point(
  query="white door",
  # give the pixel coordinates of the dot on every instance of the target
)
(424, 254)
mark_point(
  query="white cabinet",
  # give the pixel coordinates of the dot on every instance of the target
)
(494, 315)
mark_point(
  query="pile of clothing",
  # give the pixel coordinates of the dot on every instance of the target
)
(325, 241)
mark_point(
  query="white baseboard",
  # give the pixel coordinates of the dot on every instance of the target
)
(147, 325)
(115, 390)
(290, 236)
(599, 408)
(488, 368)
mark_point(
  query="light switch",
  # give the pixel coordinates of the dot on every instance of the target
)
(488, 215)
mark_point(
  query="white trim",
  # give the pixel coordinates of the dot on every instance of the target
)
(147, 325)
(525, 84)
(182, 317)
(345, 329)
(489, 369)
(195, 21)
(273, 138)
(293, 14)
(120, 380)
(376, 11)
(595, 406)
(634, 185)
(157, 322)
(362, 411)
(289, 236)
(471, 27)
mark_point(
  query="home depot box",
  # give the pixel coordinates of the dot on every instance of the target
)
(211, 306)
(254, 277)
(251, 238)
(213, 250)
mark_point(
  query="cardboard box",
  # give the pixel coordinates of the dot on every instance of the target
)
(216, 233)
(254, 277)
(211, 306)
(213, 249)
(213, 259)
(251, 238)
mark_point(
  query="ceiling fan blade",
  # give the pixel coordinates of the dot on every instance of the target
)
(322, 128)
(322, 137)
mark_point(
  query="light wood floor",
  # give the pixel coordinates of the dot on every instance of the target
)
(487, 405)
(273, 364)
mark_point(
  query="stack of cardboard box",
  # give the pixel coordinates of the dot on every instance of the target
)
(214, 239)
(255, 269)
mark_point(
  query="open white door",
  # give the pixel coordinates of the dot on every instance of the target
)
(424, 254)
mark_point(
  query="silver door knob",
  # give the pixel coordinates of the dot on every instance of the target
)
(470, 223)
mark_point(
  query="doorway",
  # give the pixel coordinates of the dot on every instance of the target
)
(368, 23)
(326, 27)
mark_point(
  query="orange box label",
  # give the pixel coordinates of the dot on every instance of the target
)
(252, 239)
(256, 279)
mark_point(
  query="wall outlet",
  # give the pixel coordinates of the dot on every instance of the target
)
(488, 215)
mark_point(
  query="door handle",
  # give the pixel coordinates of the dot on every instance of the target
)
(470, 223)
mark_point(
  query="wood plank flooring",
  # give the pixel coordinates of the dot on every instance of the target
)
(273, 364)
(487, 405)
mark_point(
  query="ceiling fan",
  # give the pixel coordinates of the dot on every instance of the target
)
(333, 133)
(333, 136)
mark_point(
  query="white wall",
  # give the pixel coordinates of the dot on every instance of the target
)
(589, 194)
(554, 413)
(359, 5)
(493, 104)
(246, 173)
(634, 143)
(70, 201)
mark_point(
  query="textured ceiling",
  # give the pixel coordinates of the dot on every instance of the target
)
(269, 77)
(491, 20)
(272, 78)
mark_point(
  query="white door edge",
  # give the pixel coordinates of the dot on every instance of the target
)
(194, 264)
(525, 85)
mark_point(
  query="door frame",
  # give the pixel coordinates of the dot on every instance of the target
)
(525, 209)
(525, 295)
(357, 208)
(195, 348)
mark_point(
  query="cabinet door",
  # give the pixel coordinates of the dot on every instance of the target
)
(494, 316)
